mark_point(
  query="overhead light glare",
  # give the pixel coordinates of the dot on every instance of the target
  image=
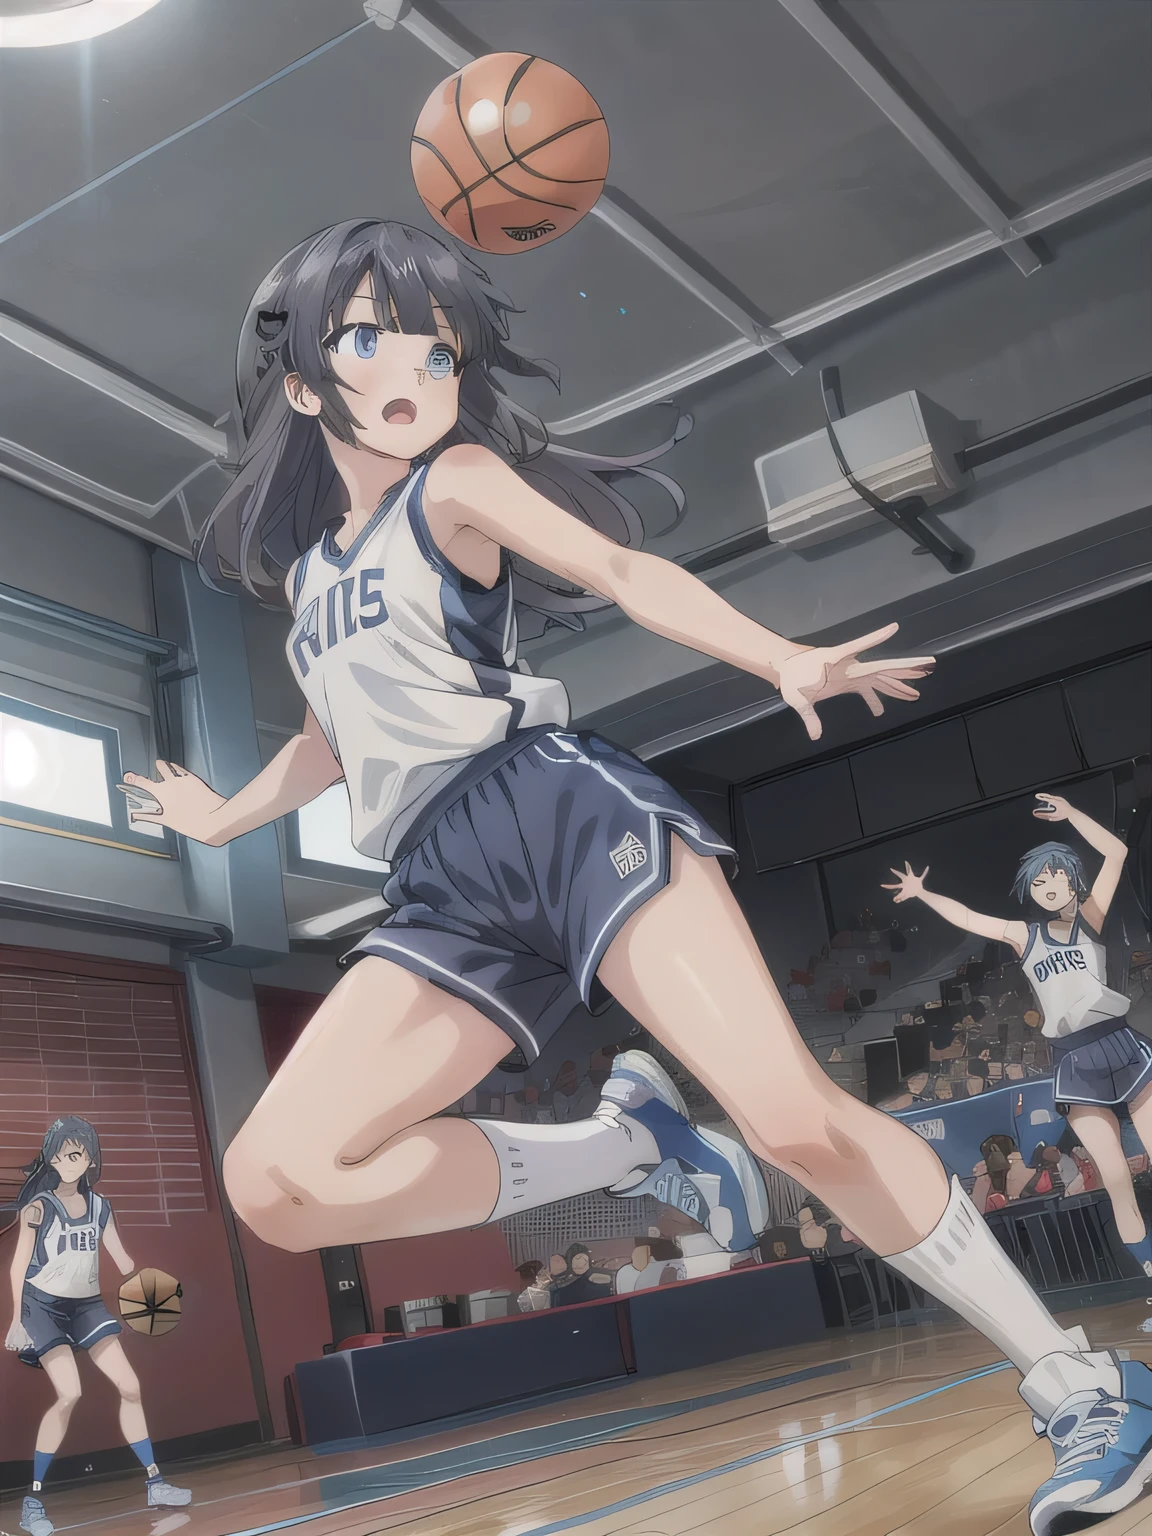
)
(45, 23)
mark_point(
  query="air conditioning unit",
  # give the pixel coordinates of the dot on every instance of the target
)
(906, 446)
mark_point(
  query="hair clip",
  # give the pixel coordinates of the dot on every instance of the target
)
(270, 322)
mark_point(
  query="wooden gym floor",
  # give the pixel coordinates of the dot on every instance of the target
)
(910, 1432)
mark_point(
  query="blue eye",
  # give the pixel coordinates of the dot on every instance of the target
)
(441, 362)
(357, 341)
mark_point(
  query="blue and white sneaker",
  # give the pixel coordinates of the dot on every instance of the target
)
(1103, 1447)
(33, 1517)
(712, 1179)
(162, 1495)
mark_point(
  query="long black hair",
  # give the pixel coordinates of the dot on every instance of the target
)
(41, 1176)
(286, 489)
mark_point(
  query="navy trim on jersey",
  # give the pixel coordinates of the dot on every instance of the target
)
(1073, 934)
(1033, 935)
(330, 550)
(476, 622)
(426, 544)
(475, 617)
(96, 1213)
(301, 568)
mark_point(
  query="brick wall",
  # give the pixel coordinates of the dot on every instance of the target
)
(107, 1041)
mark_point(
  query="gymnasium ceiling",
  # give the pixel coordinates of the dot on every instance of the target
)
(151, 176)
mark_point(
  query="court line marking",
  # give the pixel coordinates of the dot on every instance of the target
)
(665, 1488)
(520, 1446)
(622, 1420)
(853, 1358)
(636, 1499)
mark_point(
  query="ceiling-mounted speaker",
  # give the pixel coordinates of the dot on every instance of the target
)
(903, 447)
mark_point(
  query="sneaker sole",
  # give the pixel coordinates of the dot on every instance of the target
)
(1133, 1488)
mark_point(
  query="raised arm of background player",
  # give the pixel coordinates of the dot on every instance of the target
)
(1005, 931)
(475, 501)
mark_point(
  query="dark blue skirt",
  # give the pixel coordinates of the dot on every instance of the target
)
(1106, 1064)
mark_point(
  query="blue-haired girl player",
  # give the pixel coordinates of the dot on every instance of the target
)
(57, 1309)
(405, 508)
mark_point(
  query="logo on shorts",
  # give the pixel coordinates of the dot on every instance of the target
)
(629, 856)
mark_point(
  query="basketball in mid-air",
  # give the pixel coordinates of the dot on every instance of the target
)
(509, 153)
(150, 1302)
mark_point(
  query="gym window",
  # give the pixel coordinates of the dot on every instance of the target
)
(58, 774)
(319, 842)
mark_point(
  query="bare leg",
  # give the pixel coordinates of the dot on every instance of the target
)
(688, 968)
(1141, 1111)
(341, 1148)
(60, 1367)
(108, 1357)
(1098, 1131)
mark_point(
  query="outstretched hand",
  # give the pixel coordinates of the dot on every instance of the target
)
(825, 671)
(908, 885)
(177, 799)
(1052, 807)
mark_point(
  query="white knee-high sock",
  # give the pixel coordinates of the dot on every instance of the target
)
(962, 1265)
(542, 1163)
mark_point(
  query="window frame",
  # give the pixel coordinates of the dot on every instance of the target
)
(119, 834)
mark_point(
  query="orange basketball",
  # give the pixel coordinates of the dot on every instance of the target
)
(509, 152)
(150, 1302)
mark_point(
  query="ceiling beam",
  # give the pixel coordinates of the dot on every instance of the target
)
(388, 14)
(108, 380)
(1042, 216)
(892, 96)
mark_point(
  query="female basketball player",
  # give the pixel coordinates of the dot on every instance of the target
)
(57, 1305)
(1100, 1063)
(405, 505)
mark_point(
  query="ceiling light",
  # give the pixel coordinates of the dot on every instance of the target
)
(42, 23)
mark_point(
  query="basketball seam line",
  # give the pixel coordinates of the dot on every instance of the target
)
(479, 156)
(517, 159)
(424, 144)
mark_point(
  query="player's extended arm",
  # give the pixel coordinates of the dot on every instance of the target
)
(297, 774)
(1002, 930)
(30, 1219)
(116, 1248)
(470, 487)
(1114, 849)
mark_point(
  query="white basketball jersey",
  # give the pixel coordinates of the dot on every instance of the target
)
(1069, 980)
(409, 667)
(66, 1258)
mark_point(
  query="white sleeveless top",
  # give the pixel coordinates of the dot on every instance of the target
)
(1069, 980)
(409, 667)
(66, 1258)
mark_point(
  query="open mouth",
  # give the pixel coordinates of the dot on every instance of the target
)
(399, 413)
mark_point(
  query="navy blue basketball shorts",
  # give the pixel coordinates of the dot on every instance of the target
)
(512, 896)
(49, 1321)
(1107, 1064)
